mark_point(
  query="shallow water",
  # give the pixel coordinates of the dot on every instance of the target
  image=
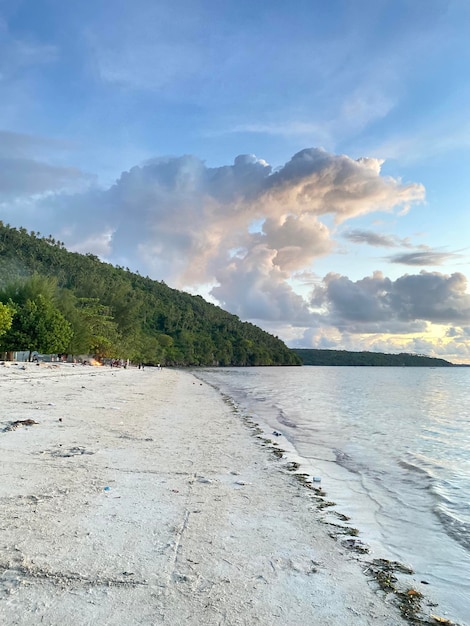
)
(392, 449)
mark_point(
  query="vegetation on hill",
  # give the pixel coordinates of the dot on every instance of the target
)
(53, 300)
(343, 357)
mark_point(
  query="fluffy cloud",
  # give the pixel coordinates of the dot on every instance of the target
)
(297, 240)
(244, 229)
(320, 183)
(377, 304)
(253, 287)
(179, 209)
(250, 235)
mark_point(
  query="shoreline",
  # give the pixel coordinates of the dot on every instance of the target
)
(141, 497)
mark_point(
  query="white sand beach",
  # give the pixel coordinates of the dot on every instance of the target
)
(142, 498)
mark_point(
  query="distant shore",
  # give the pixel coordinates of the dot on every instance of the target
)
(140, 497)
(313, 356)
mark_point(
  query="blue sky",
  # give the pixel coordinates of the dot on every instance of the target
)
(304, 165)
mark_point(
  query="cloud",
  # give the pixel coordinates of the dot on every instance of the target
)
(422, 258)
(250, 234)
(25, 177)
(26, 170)
(375, 239)
(297, 240)
(190, 218)
(20, 145)
(376, 304)
(459, 333)
(253, 287)
(246, 229)
(321, 183)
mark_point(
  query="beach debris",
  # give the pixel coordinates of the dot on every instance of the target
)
(75, 451)
(341, 516)
(292, 466)
(266, 442)
(204, 480)
(277, 433)
(410, 603)
(409, 599)
(316, 479)
(28, 571)
(385, 564)
(342, 530)
(106, 488)
(442, 620)
(356, 544)
(15, 425)
(323, 504)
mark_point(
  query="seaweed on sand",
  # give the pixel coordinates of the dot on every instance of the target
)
(410, 601)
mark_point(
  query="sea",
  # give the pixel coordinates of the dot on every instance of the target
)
(390, 446)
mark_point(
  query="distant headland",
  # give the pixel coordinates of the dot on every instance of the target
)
(311, 356)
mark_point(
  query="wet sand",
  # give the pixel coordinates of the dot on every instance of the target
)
(142, 498)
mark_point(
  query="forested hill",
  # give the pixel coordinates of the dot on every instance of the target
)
(343, 357)
(113, 312)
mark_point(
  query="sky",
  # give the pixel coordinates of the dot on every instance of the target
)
(303, 165)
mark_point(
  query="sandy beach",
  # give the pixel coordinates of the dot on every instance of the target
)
(142, 497)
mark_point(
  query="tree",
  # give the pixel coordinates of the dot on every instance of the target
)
(21, 289)
(6, 318)
(102, 334)
(69, 306)
(37, 325)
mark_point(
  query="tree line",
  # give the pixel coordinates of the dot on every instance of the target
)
(312, 356)
(56, 301)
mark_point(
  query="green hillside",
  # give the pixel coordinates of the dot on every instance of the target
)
(376, 359)
(110, 311)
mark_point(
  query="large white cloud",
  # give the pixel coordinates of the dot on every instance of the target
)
(320, 183)
(253, 287)
(179, 216)
(244, 229)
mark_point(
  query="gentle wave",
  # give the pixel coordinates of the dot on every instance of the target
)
(401, 437)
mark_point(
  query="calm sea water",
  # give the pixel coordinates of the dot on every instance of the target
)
(392, 449)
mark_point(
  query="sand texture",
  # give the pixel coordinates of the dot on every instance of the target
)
(141, 498)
